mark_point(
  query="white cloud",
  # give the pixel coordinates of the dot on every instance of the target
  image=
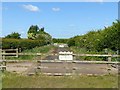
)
(56, 9)
(31, 8)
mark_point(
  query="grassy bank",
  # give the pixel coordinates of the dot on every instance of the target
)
(42, 50)
(78, 50)
(11, 80)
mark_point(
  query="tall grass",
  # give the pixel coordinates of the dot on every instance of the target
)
(43, 49)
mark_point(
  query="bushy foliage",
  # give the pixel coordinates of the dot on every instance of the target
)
(35, 33)
(58, 40)
(14, 35)
(32, 32)
(21, 43)
(44, 36)
(98, 40)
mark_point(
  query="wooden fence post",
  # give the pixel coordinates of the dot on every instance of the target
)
(73, 68)
(64, 66)
(20, 50)
(39, 65)
(3, 56)
(17, 52)
(109, 65)
(4, 64)
(109, 57)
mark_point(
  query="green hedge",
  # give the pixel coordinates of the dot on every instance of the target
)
(107, 38)
(21, 43)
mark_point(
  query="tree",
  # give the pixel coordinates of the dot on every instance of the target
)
(98, 40)
(42, 29)
(71, 42)
(14, 35)
(33, 31)
(43, 35)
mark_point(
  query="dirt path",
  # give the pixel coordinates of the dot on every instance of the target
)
(31, 70)
(18, 67)
(52, 57)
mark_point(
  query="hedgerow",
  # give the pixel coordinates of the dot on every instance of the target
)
(21, 43)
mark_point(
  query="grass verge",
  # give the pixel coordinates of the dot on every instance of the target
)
(89, 58)
(42, 50)
(11, 80)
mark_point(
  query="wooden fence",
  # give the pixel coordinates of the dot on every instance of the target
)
(57, 67)
(6, 53)
(2, 65)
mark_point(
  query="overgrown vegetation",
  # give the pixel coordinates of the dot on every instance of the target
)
(42, 50)
(35, 33)
(36, 38)
(21, 43)
(14, 35)
(99, 40)
(78, 50)
(59, 40)
(11, 80)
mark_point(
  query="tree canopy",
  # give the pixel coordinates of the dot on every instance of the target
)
(36, 33)
(13, 35)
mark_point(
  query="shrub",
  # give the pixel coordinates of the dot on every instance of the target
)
(21, 43)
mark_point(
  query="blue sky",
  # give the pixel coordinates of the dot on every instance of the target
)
(60, 19)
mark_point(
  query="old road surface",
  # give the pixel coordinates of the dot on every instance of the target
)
(30, 68)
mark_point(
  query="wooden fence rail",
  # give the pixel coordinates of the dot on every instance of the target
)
(98, 55)
(76, 61)
(37, 54)
(20, 54)
(17, 54)
(57, 67)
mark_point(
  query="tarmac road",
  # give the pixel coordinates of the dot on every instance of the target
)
(78, 68)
